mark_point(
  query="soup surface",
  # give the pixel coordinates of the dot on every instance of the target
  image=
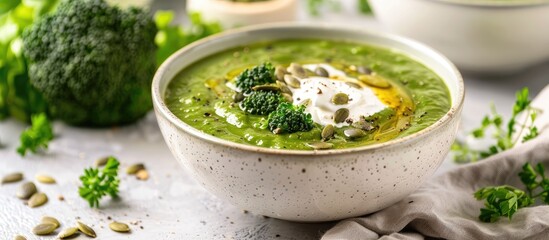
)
(366, 94)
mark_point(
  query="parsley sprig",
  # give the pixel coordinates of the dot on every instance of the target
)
(98, 183)
(504, 201)
(504, 135)
(37, 136)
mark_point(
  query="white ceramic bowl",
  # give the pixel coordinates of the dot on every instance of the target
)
(308, 185)
(237, 14)
(488, 36)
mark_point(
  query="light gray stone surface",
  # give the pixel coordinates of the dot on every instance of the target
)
(170, 205)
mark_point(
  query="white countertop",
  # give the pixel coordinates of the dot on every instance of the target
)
(170, 205)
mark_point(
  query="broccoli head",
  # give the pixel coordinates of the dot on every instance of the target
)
(93, 62)
(288, 118)
(258, 75)
(262, 102)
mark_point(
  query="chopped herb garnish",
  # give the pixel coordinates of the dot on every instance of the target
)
(37, 136)
(98, 183)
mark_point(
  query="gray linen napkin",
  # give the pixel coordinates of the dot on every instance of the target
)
(444, 206)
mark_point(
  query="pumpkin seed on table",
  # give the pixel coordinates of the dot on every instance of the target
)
(320, 71)
(37, 200)
(26, 190)
(133, 169)
(297, 70)
(45, 179)
(340, 98)
(327, 132)
(374, 81)
(101, 161)
(19, 237)
(354, 133)
(340, 115)
(44, 229)
(292, 81)
(52, 220)
(320, 145)
(85, 229)
(119, 227)
(67, 233)
(142, 174)
(12, 177)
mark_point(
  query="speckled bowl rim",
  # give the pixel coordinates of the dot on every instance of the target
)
(492, 4)
(163, 111)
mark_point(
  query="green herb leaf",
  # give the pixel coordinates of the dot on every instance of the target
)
(501, 201)
(504, 137)
(37, 136)
(18, 98)
(504, 201)
(364, 7)
(98, 183)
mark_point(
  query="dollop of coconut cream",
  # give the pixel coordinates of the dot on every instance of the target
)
(316, 94)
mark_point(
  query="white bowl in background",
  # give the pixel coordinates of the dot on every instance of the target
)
(308, 186)
(490, 36)
(236, 14)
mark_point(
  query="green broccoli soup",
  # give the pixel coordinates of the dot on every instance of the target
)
(308, 94)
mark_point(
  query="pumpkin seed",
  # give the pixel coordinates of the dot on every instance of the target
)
(19, 237)
(288, 97)
(277, 131)
(12, 177)
(85, 229)
(44, 229)
(268, 87)
(119, 227)
(310, 73)
(133, 169)
(284, 88)
(280, 71)
(320, 71)
(37, 200)
(26, 190)
(45, 179)
(67, 233)
(355, 85)
(101, 161)
(297, 70)
(364, 70)
(238, 97)
(340, 115)
(305, 102)
(340, 99)
(52, 220)
(354, 133)
(327, 132)
(142, 174)
(363, 125)
(292, 81)
(320, 145)
(374, 81)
